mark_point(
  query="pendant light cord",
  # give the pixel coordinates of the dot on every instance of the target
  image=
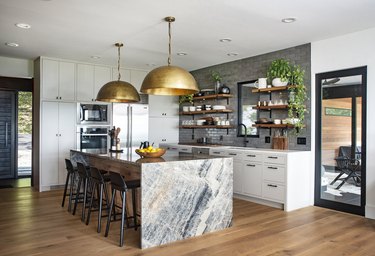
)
(169, 45)
(118, 63)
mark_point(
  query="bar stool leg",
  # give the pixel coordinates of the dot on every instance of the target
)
(100, 208)
(134, 209)
(84, 201)
(110, 212)
(72, 178)
(65, 189)
(92, 199)
(123, 215)
(77, 195)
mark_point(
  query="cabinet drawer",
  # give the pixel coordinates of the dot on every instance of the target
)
(274, 159)
(274, 173)
(273, 191)
(185, 149)
(254, 157)
(215, 152)
(236, 155)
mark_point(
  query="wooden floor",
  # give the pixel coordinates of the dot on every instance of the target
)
(33, 223)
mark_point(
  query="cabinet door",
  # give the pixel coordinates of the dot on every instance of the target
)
(252, 178)
(85, 82)
(102, 75)
(66, 81)
(163, 130)
(163, 106)
(50, 79)
(237, 176)
(49, 144)
(136, 78)
(67, 138)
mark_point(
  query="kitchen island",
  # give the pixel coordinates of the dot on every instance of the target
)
(182, 195)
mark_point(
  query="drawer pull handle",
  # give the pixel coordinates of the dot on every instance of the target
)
(184, 149)
(273, 157)
(251, 155)
(216, 152)
(273, 168)
(231, 154)
(272, 186)
(251, 165)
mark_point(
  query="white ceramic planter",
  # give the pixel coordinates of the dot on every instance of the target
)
(277, 82)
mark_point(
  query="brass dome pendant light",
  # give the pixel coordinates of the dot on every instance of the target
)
(118, 91)
(169, 80)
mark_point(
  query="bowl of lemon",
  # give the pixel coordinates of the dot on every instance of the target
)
(150, 152)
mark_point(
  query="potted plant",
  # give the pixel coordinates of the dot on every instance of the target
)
(278, 72)
(297, 98)
(217, 79)
(186, 99)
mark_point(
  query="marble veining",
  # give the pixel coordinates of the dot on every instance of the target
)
(185, 199)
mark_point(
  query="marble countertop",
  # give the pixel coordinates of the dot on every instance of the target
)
(169, 156)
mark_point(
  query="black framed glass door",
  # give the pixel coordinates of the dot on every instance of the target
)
(340, 157)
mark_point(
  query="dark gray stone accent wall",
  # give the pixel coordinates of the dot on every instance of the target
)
(246, 70)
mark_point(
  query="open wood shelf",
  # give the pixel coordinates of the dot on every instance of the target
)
(273, 125)
(202, 112)
(206, 126)
(272, 89)
(272, 107)
(213, 96)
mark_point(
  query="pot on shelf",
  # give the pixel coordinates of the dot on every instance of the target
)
(277, 82)
(224, 89)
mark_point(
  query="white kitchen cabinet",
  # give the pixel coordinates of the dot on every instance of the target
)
(137, 77)
(163, 130)
(252, 178)
(237, 171)
(57, 138)
(163, 106)
(57, 80)
(90, 79)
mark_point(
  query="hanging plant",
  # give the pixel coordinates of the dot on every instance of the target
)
(186, 98)
(297, 98)
(279, 68)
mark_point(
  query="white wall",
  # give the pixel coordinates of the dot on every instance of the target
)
(12, 67)
(348, 51)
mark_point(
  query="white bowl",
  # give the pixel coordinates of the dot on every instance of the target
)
(200, 122)
(191, 108)
(277, 121)
(185, 108)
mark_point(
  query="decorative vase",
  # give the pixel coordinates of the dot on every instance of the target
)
(217, 87)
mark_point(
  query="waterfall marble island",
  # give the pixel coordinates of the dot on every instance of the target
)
(182, 195)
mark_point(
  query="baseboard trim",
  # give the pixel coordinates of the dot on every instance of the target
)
(370, 211)
(259, 201)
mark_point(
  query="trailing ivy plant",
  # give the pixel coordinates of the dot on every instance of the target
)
(186, 98)
(279, 68)
(298, 96)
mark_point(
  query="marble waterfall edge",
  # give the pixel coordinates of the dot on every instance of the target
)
(184, 199)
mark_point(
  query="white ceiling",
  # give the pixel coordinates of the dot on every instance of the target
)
(78, 29)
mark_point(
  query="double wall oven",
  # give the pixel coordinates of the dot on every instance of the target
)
(93, 126)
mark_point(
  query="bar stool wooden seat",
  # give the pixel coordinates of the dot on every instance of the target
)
(98, 183)
(83, 184)
(118, 184)
(70, 181)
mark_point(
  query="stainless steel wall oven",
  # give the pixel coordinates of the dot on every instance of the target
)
(93, 138)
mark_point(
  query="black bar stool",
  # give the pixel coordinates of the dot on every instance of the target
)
(70, 177)
(83, 183)
(118, 184)
(98, 184)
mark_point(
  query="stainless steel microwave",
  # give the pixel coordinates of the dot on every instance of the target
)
(94, 113)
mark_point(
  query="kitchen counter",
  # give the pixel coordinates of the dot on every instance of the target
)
(182, 195)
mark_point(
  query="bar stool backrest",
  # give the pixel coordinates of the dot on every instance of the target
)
(96, 175)
(82, 171)
(69, 165)
(117, 182)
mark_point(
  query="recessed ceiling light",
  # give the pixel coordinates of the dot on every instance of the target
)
(23, 25)
(225, 40)
(182, 54)
(95, 57)
(289, 20)
(231, 54)
(12, 44)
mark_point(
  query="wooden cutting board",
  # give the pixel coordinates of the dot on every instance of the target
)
(280, 143)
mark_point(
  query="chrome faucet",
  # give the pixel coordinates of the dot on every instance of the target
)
(245, 137)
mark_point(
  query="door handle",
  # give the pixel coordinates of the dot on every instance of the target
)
(273, 168)
(251, 165)
(6, 134)
(272, 157)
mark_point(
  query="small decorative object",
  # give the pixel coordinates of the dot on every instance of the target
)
(217, 78)
(115, 141)
(224, 89)
(261, 83)
(279, 72)
(186, 98)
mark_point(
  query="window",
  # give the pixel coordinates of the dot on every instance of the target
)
(247, 111)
